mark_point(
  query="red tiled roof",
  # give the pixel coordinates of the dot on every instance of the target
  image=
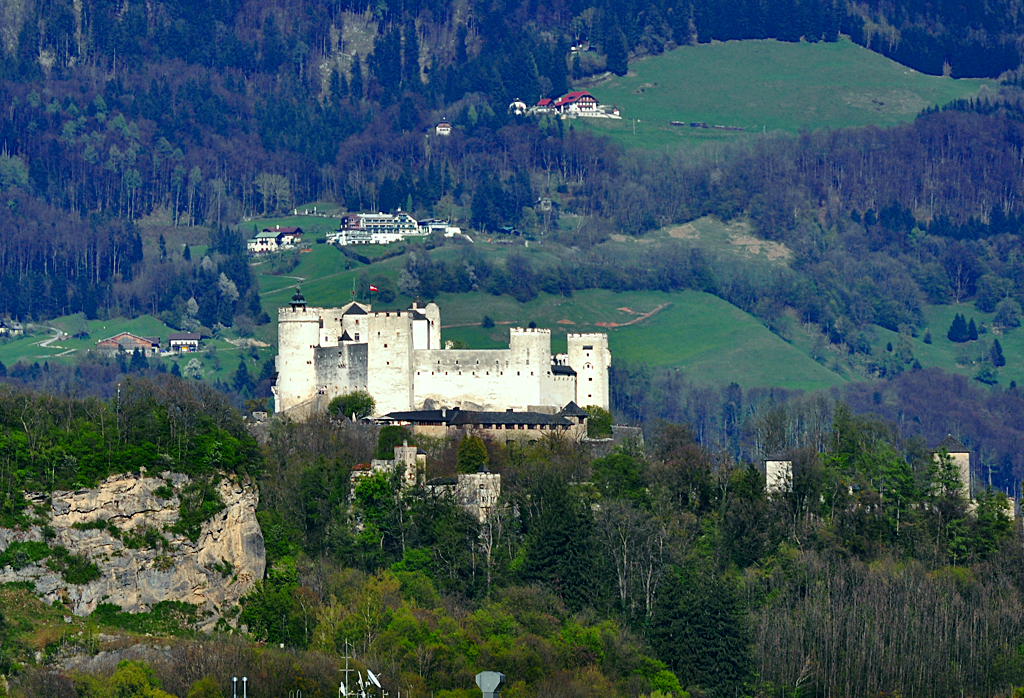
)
(544, 102)
(573, 97)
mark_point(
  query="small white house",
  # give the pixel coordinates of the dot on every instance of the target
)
(184, 342)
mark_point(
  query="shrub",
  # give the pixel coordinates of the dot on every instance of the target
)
(599, 422)
(199, 502)
(389, 437)
(359, 403)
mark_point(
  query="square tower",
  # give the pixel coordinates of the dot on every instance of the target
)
(590, 358)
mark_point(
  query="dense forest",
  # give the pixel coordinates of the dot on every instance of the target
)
(656, 568)
(198, 116)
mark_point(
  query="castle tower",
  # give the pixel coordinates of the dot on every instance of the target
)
(961, 456)
(433, 314)
(298, 332)
(590, 358)
(529, 364)
(389, 362)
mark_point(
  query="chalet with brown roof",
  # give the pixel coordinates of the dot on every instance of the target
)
(128, 342)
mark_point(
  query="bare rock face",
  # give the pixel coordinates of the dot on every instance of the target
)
(214, 572)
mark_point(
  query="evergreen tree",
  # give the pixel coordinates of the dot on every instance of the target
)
(617, 51)
(241, 381)
(958, 330)
(187, 253)
(472, 455)
(700, 630)
(411, 56)
(558, 72)
(356, 84)
(996, 354)
(175, 369)
(139, 362)
(972, 331)
(558, 548)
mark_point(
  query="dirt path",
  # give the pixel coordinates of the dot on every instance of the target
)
(638, 318)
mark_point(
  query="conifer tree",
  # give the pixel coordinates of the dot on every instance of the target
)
(996, 354)
(972, 331)
(241, 380)
(472, 455)
(411, 57)
(356, 84)
(958, 330)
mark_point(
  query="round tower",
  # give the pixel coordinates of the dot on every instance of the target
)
(298, 332)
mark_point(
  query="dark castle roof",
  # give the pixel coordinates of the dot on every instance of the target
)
(563, 371)
(573, 410)
(515, 418)
(354, 309)
(345, 337)
(951, 445)
(456, 417)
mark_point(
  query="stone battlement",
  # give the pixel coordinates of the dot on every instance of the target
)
(398, 357)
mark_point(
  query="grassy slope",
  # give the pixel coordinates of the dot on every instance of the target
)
(964, 358)
(704, 336)
(765, 86)
(220, 364)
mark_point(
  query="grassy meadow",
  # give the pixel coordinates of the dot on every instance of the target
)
(764, 86)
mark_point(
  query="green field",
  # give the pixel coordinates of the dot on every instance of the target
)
(765, 86)
(710, 340)
(218, 362)
(966, 358)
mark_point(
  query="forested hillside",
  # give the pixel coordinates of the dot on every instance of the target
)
(661, 568)
(181, 116)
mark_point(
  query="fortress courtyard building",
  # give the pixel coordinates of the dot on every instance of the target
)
(397, 357)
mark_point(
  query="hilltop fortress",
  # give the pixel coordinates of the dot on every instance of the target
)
(398, 358)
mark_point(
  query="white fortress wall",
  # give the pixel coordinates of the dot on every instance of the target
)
(433, 313)
(558, 390)
(341, 369)
(396, 356)
(482, 379)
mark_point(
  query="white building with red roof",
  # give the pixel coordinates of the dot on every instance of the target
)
(574, 104)
(580, 103)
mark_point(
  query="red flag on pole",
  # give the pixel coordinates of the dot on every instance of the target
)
(373, 288)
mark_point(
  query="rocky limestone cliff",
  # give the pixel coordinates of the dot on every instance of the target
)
(135, 579)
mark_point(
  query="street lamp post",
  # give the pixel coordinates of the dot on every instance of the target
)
(245, 681)
(234, 687)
